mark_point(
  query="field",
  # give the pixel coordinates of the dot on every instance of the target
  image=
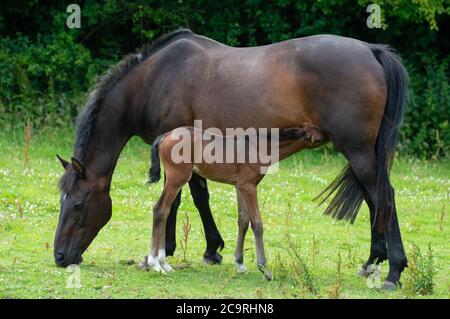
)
(311, 256)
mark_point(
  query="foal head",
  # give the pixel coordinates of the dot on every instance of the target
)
(85, 209)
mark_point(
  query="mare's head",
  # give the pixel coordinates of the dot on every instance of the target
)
(85, 209)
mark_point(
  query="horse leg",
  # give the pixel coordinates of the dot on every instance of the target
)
(214, 241)
(378, 248)
(243, 221)
(385, 228)
(250, 196)
(157, 255)
(158, 212)
(171, 225)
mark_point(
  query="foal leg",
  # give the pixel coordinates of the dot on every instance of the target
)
(364, 165)
(200, 195)
(250, 197)
(157, 255)
(243, 221)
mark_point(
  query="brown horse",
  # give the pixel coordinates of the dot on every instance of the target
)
(353, 92)
(243, 169)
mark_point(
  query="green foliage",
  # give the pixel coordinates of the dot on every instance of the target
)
(47, 68)
(426, 126)
(419, 276)
(43, 80)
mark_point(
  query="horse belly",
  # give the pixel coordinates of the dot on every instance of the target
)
(217, 172)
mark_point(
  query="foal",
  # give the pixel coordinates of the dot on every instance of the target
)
(244, 175)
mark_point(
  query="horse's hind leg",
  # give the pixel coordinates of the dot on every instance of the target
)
(249, 194)
(243, 221)
(378, 248)
(385, 228)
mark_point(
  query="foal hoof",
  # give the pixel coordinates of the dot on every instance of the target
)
(267, 273)
(143, 265)
(212, 258)
(241, 268)
(166, 267)
(389, 286)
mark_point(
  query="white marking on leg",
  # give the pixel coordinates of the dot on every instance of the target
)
(162, 260)
(241, 268)
(153, 263)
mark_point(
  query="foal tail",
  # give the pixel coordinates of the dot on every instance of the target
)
(154, 175)
(349, 190)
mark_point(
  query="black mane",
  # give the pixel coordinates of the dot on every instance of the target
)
(87, 118)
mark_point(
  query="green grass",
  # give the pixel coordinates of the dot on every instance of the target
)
(29, 208)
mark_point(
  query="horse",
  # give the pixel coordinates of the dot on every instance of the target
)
(241, 166)
(353, 92)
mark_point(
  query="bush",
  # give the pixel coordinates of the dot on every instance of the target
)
(426, 127)
(418, 277)
(47, 69)
(44, 80)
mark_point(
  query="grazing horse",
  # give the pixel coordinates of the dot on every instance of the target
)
(353, 92)
(245, 173)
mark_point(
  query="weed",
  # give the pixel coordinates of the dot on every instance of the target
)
(186, 231)
(27, 135)
(303, 276)
(418, 278)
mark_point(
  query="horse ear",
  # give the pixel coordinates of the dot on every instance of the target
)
(64, 163)
(78, 167)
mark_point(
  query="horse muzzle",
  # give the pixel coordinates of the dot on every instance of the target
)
(62, 259)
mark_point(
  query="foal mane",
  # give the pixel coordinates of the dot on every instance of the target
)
(85, 121)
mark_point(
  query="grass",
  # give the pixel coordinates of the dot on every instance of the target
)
(330, 251)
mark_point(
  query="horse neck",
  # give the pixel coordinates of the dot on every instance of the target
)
(104, 147)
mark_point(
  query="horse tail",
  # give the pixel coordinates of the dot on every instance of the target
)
(154, 174)
(349, 191)
(397, 95)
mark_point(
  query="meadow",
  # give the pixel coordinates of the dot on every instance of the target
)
(311, 256)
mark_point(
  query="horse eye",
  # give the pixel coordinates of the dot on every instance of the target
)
(78, 206)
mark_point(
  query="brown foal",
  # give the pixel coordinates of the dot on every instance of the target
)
(244, 174)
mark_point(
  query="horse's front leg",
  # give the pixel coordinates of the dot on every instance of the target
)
(157, 256)
(214, 241)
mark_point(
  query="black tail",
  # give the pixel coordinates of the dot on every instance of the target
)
(154, 175)
(349, 191)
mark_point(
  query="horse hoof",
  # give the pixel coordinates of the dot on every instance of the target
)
(389, 286)
(267, 273)
(362, 272)
(241, 268)
(212, 259)
(369, 270)
(143, 265)
(166, 267)
(152, 180)
(154, 264)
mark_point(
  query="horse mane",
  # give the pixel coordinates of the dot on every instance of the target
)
(85, 121)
